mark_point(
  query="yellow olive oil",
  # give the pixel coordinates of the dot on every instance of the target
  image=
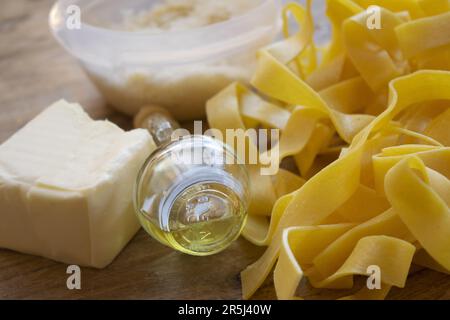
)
(202, 219)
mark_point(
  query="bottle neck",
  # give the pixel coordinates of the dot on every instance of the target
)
(158, 122)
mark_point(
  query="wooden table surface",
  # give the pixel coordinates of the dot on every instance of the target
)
(34, 72)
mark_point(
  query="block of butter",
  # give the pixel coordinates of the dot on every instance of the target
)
(66, 186)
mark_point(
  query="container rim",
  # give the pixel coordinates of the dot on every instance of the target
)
(56, 20)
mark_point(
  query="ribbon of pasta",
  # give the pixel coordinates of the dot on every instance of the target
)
(369, 135)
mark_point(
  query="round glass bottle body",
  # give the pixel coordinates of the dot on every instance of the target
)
(192, 195)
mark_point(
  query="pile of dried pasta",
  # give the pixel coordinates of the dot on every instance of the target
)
(368, 128)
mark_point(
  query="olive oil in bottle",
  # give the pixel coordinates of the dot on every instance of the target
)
(198, 208)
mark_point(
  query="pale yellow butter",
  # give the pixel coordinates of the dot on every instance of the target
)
(66, 186)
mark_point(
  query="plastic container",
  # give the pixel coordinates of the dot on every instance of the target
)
(178, 70)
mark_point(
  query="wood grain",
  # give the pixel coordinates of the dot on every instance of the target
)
(34, 72)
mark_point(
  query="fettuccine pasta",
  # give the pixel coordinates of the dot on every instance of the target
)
(366, 120)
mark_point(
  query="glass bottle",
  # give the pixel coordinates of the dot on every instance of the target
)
(192, 193)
